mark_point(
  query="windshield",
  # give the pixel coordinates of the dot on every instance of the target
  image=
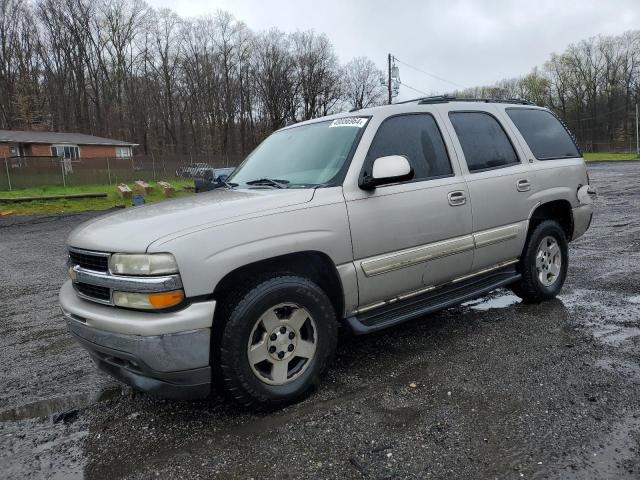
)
(308, 155)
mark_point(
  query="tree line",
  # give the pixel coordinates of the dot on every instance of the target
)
(210, 86)
(206, 85)
(593, 85)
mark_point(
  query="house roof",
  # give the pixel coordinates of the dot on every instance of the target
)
(17, 136)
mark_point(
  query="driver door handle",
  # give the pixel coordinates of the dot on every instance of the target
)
(523, 185)
(457, 198)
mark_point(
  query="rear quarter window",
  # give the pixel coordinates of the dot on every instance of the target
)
(547, 138)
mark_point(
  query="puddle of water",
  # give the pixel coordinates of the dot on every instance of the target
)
(50, 406)
(580, 297)
(634, 299)
(615, 336)
(624, 367)
(484, 304)
(611, 452)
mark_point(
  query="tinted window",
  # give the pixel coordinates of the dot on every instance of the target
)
(544, 134)
(484, 142)
(418, 138)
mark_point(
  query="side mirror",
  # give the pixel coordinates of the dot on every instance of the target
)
(385, 170)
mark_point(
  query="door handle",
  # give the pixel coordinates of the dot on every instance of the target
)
(523, 185)
(457, 198)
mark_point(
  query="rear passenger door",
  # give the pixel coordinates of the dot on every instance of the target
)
(499, 183)
(412, 235)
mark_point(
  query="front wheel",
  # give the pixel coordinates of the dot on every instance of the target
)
(279, 335)
(543, 264)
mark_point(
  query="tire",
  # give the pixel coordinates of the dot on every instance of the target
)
(543, 266)
(257, 327)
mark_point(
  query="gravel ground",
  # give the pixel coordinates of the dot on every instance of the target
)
(490, 389)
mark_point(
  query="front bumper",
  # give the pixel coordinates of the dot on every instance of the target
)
(148, 351)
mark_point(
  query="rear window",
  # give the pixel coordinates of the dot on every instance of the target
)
(484, 143)
(546, 136)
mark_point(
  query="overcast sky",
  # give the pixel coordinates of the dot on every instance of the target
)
(467, 42)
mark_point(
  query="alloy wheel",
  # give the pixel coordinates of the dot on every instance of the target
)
(282, 343)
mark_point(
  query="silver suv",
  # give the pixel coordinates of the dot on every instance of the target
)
(361, 220)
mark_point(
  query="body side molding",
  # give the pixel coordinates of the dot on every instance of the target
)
(389, 262)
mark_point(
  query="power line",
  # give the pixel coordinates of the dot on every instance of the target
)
(414, 89)
(429, 74)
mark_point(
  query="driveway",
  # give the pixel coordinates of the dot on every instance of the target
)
(492, 388)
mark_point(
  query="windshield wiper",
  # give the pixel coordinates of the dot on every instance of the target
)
(274, 182)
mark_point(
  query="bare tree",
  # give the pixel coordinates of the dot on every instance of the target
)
(274, 77)
(317, 73)
(210, 86)
(362, 87)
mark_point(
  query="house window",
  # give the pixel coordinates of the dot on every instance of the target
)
(65, 151)
(123, 152)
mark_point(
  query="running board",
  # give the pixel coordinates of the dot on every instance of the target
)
(449, 295)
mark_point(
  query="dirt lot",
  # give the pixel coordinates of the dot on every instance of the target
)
(503, 389)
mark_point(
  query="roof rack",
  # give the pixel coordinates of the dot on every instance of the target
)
(449, 98)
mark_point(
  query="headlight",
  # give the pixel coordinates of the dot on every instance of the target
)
(142, 264)
(148, 301)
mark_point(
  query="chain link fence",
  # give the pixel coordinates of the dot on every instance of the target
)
(29, 172)
(609, 147)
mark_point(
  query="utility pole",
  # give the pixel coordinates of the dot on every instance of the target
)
(637, 138)
(389, 58)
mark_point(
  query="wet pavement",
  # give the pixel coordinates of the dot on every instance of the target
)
(491, 389)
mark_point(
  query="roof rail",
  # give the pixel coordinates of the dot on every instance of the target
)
(449, 98)
(412, 100)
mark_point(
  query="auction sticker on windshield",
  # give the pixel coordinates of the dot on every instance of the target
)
(357, 122)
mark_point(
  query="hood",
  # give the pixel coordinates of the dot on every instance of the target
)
(134, 229)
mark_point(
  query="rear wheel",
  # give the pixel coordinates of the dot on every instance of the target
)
(544, 263)
(278, 335)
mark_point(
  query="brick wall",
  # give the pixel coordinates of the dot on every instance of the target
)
(86, 151)
(37, 150)
(44, 150)
(94, 151)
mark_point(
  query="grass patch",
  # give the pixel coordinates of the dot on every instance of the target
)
(48, 207)
(609, 157)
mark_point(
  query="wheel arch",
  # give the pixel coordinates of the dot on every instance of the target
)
(558, 210)
(312, 264)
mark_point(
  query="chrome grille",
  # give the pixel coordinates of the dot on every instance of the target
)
(93, 291)
(90, 261)
(98, 262)
(89, 271)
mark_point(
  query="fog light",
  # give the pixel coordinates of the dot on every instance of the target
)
(148, 301)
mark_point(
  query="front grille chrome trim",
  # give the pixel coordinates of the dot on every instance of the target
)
(127, 284)
(83, 274)
(88, 259)
(89, 252)
(90, 298)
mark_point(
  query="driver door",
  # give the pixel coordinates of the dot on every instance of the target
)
(416, 234)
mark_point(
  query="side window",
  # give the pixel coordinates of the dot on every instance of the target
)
(484, 142)
(417, 137)
(544, 134)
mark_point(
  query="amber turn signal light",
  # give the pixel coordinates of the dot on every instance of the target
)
(148, 301)
(166, 299)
